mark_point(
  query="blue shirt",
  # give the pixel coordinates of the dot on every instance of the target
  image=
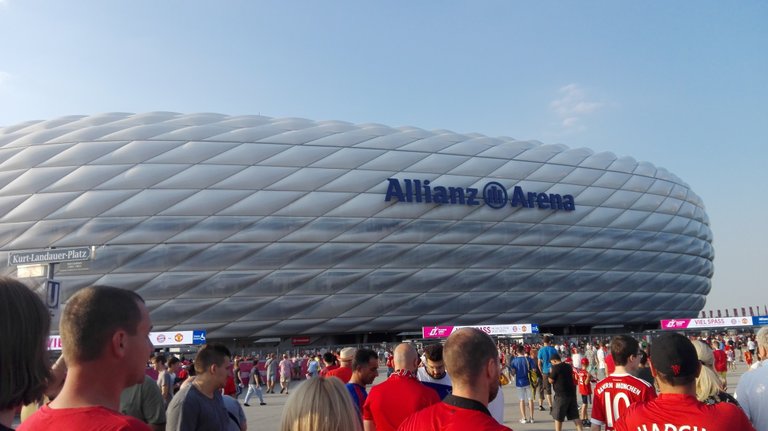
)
(443, 386)
(313, 368)
(545, 354)
(359, 395)
(522, 365)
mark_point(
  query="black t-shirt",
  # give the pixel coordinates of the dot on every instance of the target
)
(562, 377)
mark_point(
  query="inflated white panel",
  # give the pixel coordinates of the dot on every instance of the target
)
(253, 226)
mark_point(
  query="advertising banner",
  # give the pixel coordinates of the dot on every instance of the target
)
(759, 320)
(177, 338)
(716, 322)
(159, 339)
(513, 329)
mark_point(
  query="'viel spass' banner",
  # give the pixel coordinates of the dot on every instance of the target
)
(713, 322)
(513, 329)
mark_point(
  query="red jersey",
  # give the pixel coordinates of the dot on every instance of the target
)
(610, 366)
(389, 403)
(584, 382)
(81, 419)
(614, 394)
(342, 373)
(721, 360)
(453, 414)
(324, 372)
(229, 386)
(677, 412)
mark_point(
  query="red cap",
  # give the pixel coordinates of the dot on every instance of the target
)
(584, 361)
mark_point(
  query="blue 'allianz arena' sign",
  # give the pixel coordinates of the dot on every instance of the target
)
(493, 194)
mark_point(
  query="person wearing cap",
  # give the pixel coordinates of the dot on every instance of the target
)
(344, 372)
(584, 382)
(389, 403)
(471, 359)
(621, 388)
(751, 393)
(565, 406)
(675, 366)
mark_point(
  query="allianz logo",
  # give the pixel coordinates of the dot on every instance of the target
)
(493, 194)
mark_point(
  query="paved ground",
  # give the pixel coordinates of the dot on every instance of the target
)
(267, 418)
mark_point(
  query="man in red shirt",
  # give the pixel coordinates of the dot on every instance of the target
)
(389, 403)
(616, 392)
(472, 361)
(344, 371)
(329, 359)
(675, 367)
(105, 343)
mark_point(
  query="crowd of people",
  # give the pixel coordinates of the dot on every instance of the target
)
(101, 381)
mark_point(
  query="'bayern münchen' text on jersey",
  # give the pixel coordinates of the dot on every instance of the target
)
(614, 394)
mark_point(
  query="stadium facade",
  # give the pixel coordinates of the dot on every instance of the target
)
(252, 226)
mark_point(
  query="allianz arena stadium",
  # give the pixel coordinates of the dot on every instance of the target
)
(250, 226)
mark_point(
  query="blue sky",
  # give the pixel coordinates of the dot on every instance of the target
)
(683, 85)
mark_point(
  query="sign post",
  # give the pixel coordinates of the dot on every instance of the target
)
(52, 290)
(50, 256)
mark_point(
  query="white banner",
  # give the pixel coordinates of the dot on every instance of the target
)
(712, 322)
(171, 338)
(159, 339)
(513, 329)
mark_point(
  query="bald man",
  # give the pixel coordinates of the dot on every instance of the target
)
(398, 397)
(472, 361)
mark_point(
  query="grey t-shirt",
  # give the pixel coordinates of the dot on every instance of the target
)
(271, 366)
(144, 402)
(235, 412)
(164, 379)
(191, 410)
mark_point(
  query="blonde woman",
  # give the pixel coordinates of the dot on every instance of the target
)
(709, 387)
(320, 404)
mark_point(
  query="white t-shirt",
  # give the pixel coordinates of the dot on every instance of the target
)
(496, 407)
(753, 397)
(601, 359)
(576, 359)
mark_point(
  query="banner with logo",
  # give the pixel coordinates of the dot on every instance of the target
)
(513, 329)
(712, 322)
(176, 338)
(159, 339)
